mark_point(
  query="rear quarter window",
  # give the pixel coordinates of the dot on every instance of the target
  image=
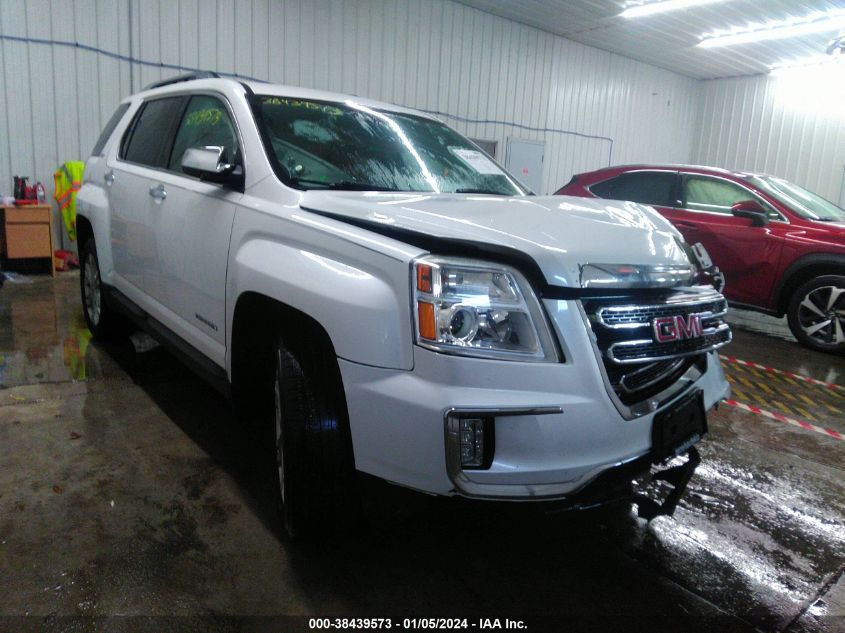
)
(105, 135)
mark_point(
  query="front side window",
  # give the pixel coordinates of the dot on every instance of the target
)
(206, 122)
(646, 187)
(147, 140)
(701, 193)
(328, 145)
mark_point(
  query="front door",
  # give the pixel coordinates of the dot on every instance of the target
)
(748, 255)
(191, 223)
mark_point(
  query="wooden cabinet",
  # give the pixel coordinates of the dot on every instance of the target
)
(27, 232)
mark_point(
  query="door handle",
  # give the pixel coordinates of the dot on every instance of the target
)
(109, 177)
(685, 225)
(158, 192)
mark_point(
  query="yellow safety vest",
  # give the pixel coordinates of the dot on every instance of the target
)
(67, 180)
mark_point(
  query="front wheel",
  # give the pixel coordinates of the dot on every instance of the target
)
(313, 448)
(816, 314)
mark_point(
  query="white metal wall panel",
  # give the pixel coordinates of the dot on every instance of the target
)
(5, 127)
(18, 95)
(491, 77)
(782, 125)
(43, 101)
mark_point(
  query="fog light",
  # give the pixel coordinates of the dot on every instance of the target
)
(472, 442)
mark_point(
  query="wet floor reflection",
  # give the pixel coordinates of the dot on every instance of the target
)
(43, 336)
(785, 354)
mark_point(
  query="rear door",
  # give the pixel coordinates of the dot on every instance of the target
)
(748, 255)
(144, 149)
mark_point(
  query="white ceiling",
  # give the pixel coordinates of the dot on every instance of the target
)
(669, 39)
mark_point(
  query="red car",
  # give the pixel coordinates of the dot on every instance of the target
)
(781, 247)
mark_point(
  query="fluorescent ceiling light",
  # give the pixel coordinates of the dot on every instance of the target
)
(777, 29)
(642, 9)
(816, 61)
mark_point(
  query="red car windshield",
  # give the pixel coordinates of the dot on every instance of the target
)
(804, 203)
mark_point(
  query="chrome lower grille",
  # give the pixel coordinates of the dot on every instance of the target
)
(648, 341)
(650, 374)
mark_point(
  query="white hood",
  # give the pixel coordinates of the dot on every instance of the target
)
(560, 233)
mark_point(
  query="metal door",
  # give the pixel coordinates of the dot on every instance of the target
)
(525, 161)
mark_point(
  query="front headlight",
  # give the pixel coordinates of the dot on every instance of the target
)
(475, 308)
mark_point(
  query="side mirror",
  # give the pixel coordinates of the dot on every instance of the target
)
(752, 210)
(207, 164)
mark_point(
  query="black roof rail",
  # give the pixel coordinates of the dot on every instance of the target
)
(201, 74)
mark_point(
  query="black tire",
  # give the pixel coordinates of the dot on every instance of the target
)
(103, 322)
(313, 447)
(816, 314)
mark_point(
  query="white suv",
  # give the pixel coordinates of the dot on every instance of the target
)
(390, 301)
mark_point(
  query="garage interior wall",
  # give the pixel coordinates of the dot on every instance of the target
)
(771, 124)
(436, 55)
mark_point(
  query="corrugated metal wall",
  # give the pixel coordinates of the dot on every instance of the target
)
(790, 125)
(436, 55)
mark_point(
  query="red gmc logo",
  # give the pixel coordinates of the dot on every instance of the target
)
(677, 328)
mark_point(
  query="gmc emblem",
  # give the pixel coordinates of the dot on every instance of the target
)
(677, 328)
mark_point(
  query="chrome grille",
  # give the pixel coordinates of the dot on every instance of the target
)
(636, 316)
(638, 364)
(649, 374)
(647, 350)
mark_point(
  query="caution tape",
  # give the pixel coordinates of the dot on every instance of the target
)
(786, 420)
(772, 370)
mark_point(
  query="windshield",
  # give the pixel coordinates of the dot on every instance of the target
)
(326, 145)
(802, 202)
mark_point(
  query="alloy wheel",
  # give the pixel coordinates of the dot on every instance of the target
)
(821, 315)
(93, 289)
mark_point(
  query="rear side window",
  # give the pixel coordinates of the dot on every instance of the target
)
(646, 187)
(107, 131)
(205, 122)
(148, 138)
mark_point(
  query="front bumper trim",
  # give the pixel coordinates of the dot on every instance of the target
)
(452, 418)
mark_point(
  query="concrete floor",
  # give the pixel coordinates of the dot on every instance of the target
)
(126, 489)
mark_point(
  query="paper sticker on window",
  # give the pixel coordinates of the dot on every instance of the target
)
(477, 160)
(299, 103)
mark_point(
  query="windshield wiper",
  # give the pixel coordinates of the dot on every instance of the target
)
(471, 190)
(349, 185)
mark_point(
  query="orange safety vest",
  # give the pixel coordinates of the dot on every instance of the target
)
(66, 181)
